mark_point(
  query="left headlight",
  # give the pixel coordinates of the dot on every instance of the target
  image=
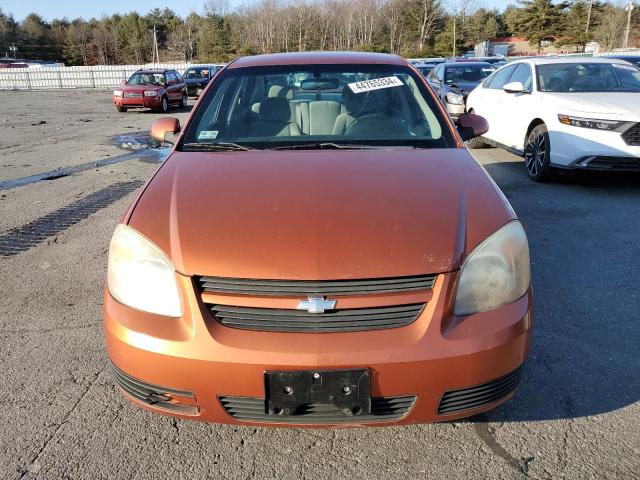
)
(589, 122)
(140, 275)
(497, 272)
(150, 93)
(454, 98)
(117, 93)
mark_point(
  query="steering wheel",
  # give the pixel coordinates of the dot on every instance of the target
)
(375, 122)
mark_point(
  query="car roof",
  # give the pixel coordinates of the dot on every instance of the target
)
(318, 58)
(561, 60)
(153, 70)
(464, 64)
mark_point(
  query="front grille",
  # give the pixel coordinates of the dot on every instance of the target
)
(132, 95)
(154, 395)
(348, 320)
(455, 401)
(632, 135)
(310, 287)
(253, 409)
(616, 164)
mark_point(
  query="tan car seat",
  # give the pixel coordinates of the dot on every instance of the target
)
(274, 119)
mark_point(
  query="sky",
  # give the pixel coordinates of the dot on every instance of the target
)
(71, 9)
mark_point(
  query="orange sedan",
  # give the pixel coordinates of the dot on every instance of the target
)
(320, 249)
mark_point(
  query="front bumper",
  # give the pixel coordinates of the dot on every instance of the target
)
(209, 366)
(454, 110)
(585, 148)
(138, 102)
(195, 90)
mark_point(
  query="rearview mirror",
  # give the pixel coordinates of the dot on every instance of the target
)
(165, 129)
(515, 87)
(321, 84)
(471, 126)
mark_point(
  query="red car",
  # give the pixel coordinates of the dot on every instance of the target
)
(156, 89)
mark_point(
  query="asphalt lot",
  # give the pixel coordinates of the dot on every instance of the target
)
(576, 415)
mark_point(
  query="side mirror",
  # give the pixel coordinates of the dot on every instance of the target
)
(165, 129)
(515, 87)
(471, 126)
(123, 82)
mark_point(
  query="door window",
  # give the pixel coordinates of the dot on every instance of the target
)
(523, 75)
(500, 78)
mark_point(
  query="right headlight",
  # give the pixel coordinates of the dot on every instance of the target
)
(140, 275)
(497, 272)
(454, 98)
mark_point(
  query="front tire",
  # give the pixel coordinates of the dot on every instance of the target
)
(185, 101)
(164, 105)
(537, 154)
(121, 109)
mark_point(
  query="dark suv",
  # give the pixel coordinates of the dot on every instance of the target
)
(157, 89)
(197, 78)
(452, 81)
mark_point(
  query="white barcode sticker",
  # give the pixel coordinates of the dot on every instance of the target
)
(375, 84)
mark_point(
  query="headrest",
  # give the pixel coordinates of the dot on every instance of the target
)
(274, 109)
(280, 91)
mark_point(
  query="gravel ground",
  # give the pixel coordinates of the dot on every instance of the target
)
(576, 414)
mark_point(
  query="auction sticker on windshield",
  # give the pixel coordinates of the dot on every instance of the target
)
(375, 84)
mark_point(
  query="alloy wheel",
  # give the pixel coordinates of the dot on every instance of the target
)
(534, 154)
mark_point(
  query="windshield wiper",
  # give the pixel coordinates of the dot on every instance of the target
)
(324, 145)
(217, 146)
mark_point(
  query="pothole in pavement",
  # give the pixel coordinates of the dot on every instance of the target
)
(134, 141)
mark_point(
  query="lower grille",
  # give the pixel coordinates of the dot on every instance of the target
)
(350, 320)
(632, 135)
(455, 401)
(132, 95)
(382, 409)
(154, 395)
(620, 164)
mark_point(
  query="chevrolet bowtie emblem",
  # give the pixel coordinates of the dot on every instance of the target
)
(316, 305)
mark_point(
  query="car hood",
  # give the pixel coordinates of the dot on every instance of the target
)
(618, 104)
(196, 81)
(319, 214)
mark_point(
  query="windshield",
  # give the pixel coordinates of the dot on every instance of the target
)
(146, 79)
(198, 73)
(329, 106)
(467, 73)
(588, 77)
(425, 69)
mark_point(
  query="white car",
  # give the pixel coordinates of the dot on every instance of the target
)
(569, 113)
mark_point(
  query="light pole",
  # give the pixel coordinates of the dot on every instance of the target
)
(454, 36)
(156, 54)
(628, 8)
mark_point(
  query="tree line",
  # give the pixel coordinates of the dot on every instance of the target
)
(412, 28)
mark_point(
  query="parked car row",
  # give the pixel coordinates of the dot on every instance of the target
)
(559, 113)
(160, 89)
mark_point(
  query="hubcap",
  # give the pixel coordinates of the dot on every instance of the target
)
(534, 154)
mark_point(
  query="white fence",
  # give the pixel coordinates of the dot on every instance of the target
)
(99, 76)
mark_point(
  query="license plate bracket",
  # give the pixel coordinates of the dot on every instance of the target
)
(288, 392)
